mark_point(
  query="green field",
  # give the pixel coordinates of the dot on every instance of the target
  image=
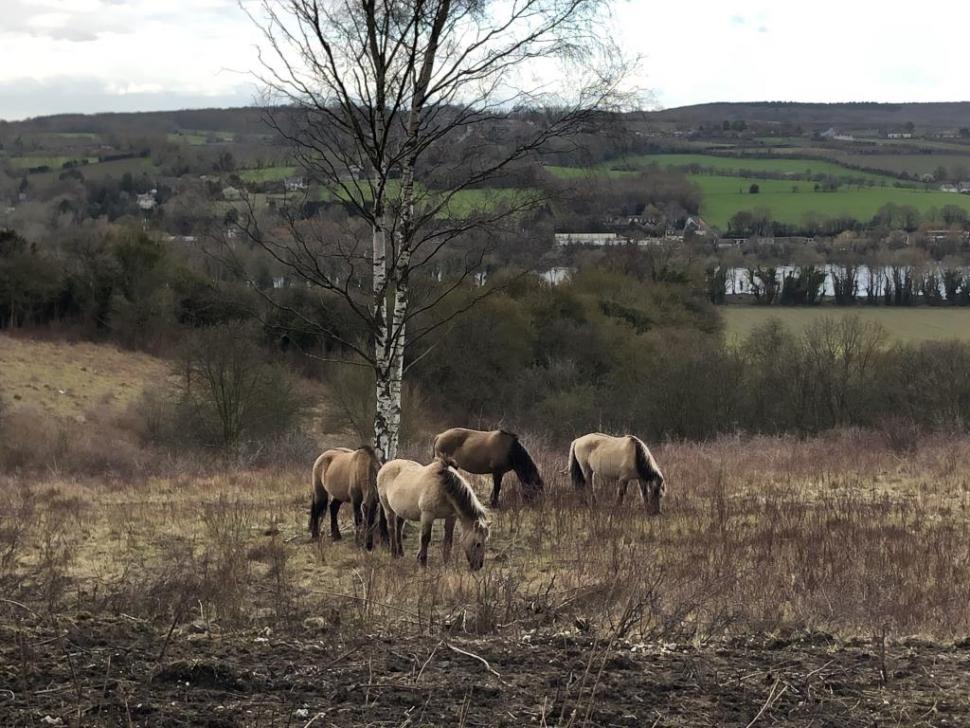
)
(903, 324)
(54, 162)
(914, 164)
(267, 174)
(791, 202)
(102, 170)
(799, 167)
(198, 138)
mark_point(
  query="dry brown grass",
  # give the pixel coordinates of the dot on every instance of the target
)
(69, 380)
(839, 533)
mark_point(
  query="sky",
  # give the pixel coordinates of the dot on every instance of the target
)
(63, 56)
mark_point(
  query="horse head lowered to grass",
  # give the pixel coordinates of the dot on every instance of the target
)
(410, 491)
(494, 453)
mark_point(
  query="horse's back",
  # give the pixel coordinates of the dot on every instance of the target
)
(335, 469)
(477, 451)
(608, 455)
(401, 484)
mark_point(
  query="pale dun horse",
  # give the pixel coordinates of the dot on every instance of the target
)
(410, 491)
(621, 459)
(342, 475)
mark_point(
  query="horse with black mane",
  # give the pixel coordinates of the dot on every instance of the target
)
(621, 459)
(494, 452)
(410, 491)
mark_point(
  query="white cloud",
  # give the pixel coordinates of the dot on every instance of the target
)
(125, 51)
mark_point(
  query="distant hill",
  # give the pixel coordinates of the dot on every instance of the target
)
(853, 115)
(248, 120)
(931, 116)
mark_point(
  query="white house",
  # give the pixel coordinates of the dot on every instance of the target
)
(595, 239)
(293, 184)
(949, 188)
(147, 201)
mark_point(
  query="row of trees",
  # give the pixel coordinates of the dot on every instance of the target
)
(681, 382)
(895, 285)
(891, 216)
(120, 283)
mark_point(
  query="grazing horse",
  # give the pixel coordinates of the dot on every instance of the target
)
(343, 475)
(617, 458)
(496, 452)
(410, 491)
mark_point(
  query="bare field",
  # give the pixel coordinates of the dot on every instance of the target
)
(902, 324)
(67, 380)
(822, 580)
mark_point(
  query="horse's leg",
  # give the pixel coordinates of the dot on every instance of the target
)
(400, 536)
(356, 504)
(334, 530)
(449, 538)
(621, 492)
(382, 524)
(496, 487)
(427, 521)
(392, 517)
(370, 524)
(318, 506)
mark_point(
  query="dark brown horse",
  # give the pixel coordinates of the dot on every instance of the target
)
(495, 452)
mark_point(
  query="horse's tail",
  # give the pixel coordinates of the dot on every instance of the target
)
(318, 499)
(365, 473)
(647, 469)
(575, 471)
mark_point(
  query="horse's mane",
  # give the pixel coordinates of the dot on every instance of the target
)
(522, 463)
(647, 467)
(509, 434)
(461, 494)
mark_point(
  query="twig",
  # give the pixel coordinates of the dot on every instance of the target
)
(476, 657)
(22, 606)
(168, 637)
(313, 720)
(768, 703)
(421, 671)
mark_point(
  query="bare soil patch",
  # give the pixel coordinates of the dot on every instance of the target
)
(123, 672)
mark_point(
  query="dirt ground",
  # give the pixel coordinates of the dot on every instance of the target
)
(125, 672)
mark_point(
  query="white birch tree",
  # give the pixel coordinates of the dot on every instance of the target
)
(364, 90)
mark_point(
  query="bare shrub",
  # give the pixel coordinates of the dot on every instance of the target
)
(901, 434)
(230, 397)
(33, 441)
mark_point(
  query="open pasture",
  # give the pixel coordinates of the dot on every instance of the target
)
(902, 324)
(912, 164)
(801, 168)
(199, 138)
(267, 174)
(55, 162)
(69, 380)
(792, 201)
(173, 595)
